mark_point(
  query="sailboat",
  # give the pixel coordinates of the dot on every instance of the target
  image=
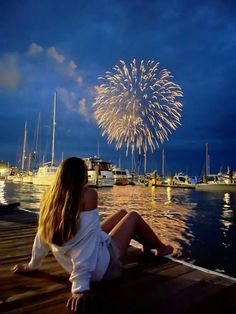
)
(214, 182)
(47, 172)
(32, 158)
(19, 176)
(179, 180)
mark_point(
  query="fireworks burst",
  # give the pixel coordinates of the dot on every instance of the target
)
(137, 106)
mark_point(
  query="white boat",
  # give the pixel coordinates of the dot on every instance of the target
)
(32, 159)
(18, 178)
(218, 187)
(214, 182)
(99, 172)
(229, 177)
(139, 180)
(177, 181)
(121, 176)
(46, 173)
(27, 179)
(183, 180)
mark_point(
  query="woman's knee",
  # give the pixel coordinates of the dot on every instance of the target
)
(134, 215)
(123, 212)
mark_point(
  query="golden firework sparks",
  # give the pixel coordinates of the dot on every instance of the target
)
(137, 106)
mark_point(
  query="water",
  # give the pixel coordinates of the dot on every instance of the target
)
(200, 225)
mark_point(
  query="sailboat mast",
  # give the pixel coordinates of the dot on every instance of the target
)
(24, 148)
(98, 152)
(207, 162)
(54, 127)
(29, 162)
(37, 139)
(145, 156)
(163, 163)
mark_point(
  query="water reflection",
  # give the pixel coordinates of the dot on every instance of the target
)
(28, 195)
(168, 194)
(2, 192)
(166, 210)
(200, 226)
(226, 218)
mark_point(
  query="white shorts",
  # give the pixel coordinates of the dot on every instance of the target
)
(114, 269)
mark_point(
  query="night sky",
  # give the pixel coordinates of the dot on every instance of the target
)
(65, 45)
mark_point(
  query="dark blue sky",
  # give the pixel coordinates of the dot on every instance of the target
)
(66, 45)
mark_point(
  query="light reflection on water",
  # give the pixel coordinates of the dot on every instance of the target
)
(162, 209)
(226, 219)
(201, 226)
(2, 194)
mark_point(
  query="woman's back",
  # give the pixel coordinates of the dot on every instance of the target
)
(89, 200)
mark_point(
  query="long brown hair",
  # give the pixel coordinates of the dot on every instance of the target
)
(60, 207)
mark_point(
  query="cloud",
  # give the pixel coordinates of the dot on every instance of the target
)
(34, 49)
(79, 79)
(60, 64)
(72, 66)
(42, 66)
(52, 52)
(83, 110)
(9, 72)
(68, 98)
(71, 102)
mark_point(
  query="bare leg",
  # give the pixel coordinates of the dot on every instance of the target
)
(132, 225)
(108, 224)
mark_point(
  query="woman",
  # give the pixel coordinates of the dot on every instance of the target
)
(69, 227)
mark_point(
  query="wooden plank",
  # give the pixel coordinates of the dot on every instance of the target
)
(149, 285)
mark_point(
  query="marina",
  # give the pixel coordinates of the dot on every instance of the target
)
(143, 93)
(149, 284)
(192, 221)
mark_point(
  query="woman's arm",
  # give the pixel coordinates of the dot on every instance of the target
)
(84, 262)
(40, 249)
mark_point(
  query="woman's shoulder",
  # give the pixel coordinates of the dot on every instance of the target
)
(90, 192)
(90, 199)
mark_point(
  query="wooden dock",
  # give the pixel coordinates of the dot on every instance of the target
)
(149, 285)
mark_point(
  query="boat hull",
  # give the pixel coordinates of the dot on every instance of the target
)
(28, 179)
(216, 187)
(176, 186)
(9, 206)
(47, 180)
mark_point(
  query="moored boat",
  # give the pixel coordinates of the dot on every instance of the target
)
(184, 181)
(9, 206)
(217, 187)
(179, 180)
(121, 176)
(99, 172)
(28, 177)
(46, 173)
(215, 183)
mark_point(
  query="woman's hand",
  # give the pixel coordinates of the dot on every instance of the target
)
(79, 301)
(21, 268)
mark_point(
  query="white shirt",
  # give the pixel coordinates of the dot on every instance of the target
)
(85, 257)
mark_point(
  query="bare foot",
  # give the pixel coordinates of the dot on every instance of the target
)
(166, 250)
